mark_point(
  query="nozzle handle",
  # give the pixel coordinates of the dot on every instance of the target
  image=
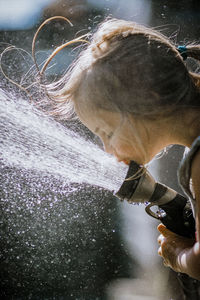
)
(179, 217)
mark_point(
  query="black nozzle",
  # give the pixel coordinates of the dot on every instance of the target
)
(141, 187)
(129, 185)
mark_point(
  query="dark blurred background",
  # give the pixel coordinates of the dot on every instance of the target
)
(109, 251)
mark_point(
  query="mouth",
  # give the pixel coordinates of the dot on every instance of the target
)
(125, 161)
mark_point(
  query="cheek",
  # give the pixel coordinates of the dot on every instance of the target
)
(124, 148)
(128, 151)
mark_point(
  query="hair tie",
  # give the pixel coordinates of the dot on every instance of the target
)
(183, 51)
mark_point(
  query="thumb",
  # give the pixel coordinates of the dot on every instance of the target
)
(163, 230)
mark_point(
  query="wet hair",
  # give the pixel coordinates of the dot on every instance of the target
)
(129, 68)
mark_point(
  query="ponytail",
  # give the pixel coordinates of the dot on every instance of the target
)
(192, 51)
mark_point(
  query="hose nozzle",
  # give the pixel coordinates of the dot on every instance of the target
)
(173, 211)
(139, 186)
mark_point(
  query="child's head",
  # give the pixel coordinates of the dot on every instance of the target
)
(130, 70)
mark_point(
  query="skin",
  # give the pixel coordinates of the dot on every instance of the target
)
(178, 253)
(182, 254)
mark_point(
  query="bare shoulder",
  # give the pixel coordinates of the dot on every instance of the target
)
(195, 174)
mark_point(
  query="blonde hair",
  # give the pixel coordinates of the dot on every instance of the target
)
(128, 68)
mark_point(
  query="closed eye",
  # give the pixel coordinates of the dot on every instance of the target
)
(103, 133)
(110, 135)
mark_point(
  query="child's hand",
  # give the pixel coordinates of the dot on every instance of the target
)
(173, 249)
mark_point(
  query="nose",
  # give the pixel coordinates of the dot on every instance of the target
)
(107, 147)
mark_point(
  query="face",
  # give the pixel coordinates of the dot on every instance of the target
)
(116, 133)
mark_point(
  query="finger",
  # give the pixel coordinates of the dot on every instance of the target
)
(160, 239)
(160, 251)
(165, 263)
(163, 229)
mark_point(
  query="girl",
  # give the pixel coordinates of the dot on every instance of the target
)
(132, 88)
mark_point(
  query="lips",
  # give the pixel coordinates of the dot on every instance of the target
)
(120, 159)
(126, 161)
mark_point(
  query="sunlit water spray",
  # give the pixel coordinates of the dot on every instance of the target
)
(54, 203)
(30, 140)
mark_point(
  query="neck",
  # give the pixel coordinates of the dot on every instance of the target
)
(181, 129)
(186, 128)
